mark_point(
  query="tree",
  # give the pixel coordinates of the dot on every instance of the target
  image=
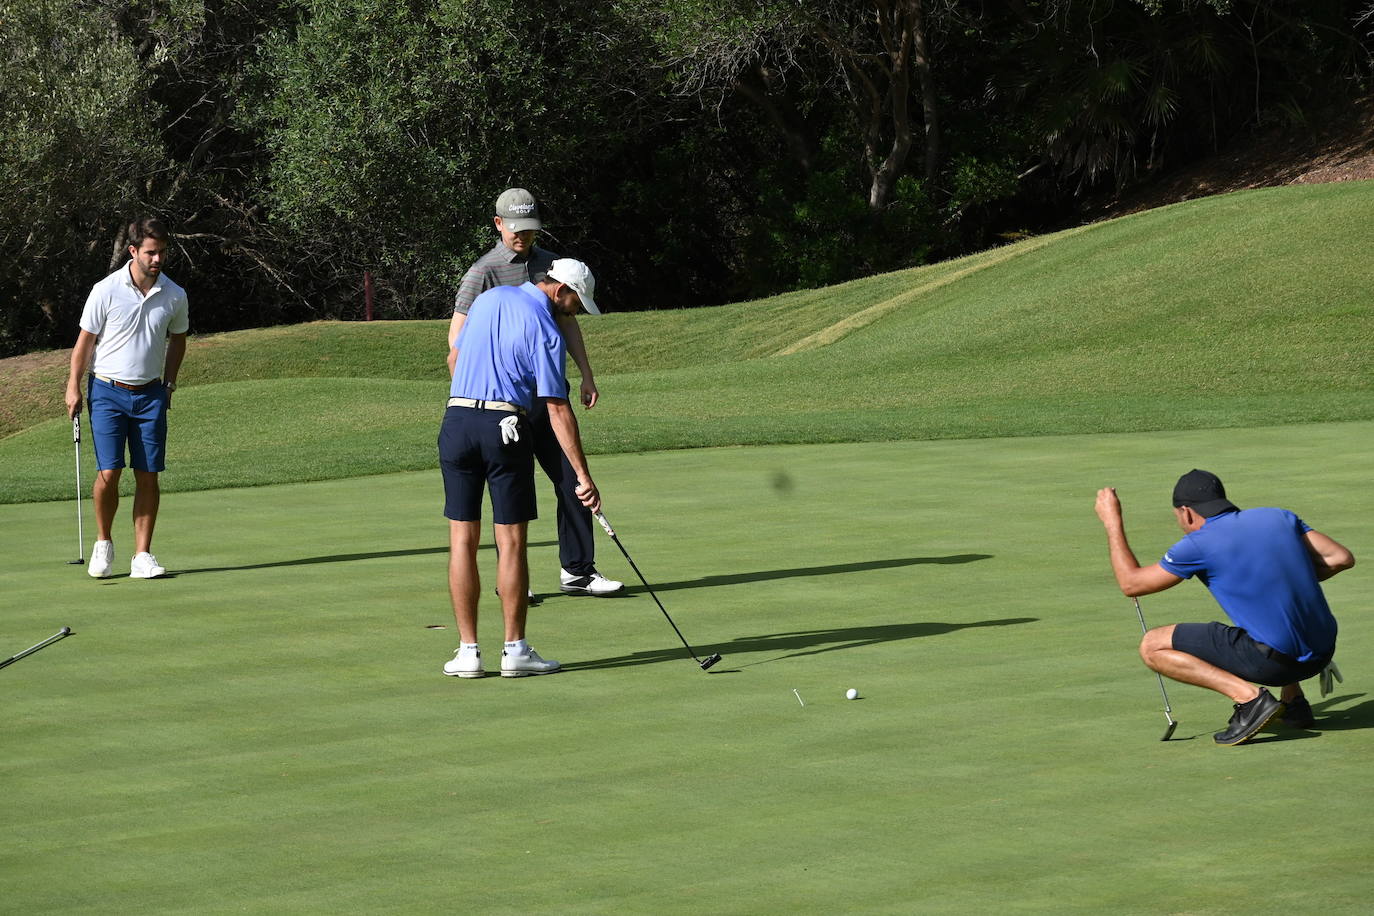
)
(69, 154)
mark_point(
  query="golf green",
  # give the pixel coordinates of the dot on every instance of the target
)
(267, 729)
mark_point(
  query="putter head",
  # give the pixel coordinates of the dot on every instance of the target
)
(709, 661)
(76, 562)
(1169, 732)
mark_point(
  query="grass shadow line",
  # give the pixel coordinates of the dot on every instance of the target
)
(798, 643)
(338, 558)
(770, 575)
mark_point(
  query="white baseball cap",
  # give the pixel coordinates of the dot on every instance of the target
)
(578, 277)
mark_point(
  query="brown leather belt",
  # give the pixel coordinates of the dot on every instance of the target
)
(126, 386)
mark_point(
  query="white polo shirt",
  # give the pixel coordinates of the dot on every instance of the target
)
(131, 328)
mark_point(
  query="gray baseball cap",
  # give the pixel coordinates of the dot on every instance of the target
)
(518, 210)
(578, 277)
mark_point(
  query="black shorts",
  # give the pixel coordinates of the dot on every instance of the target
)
(472, 455)
(1231, 649)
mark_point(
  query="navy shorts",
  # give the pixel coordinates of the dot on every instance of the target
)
(138, 419)
(1231, 649)
(471, 456)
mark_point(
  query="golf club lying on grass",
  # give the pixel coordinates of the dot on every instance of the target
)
(1168, 713)
(704, 663)
(80, 535)
(65, 631)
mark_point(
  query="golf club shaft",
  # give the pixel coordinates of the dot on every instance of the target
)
(80, 533)
(1168, 713)
(606, 526)
(65, 631)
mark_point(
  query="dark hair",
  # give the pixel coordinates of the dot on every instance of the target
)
(146, 227)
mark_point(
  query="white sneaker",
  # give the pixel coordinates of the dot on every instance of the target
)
(522, 665)
(145, 566)
(595, 584)
(102, 558)
(461, 665)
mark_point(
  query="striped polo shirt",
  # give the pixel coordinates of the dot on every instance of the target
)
(501, 267)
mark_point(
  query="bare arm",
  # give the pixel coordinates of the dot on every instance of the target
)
(176, 352)
(577, 349)
(1133, 578)
(454, 326)
(564, 425)
(81, 360)
(1328, 556)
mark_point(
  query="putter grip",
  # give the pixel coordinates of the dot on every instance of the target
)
(605, 525)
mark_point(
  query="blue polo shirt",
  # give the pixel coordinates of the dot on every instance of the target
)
(1257, 565)
(510, 349)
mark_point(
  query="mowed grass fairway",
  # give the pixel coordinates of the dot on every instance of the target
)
(268, 731)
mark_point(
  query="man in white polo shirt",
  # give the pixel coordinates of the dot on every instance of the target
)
(132, 339)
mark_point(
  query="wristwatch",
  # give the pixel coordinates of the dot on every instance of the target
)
(171, 386)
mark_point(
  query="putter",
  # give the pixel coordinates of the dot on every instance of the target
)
(1168, 713)
(703, 663)
(65, 631)
(80, 535)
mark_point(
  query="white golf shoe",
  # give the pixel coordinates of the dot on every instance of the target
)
(524, 665)
(595, 584)
(145, 566)
(464, 664)
(102, 559)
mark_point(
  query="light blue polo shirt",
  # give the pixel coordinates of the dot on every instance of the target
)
(1257, 565)
(510, 349)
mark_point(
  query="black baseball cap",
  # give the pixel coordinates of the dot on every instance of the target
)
(1202, 492)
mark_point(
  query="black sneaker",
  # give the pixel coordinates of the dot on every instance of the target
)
(1298, 714)
(1249, 718)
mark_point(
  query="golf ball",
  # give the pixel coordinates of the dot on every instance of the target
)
(851, 694)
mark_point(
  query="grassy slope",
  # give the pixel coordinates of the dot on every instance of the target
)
(1166, 319)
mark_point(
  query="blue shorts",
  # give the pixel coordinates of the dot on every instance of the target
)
(1232, 649)
(120, 417)
(471, 455)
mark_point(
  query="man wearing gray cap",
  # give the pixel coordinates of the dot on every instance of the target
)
(516, 259)
(1263, 566)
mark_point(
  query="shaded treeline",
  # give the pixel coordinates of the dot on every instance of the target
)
(693, 151)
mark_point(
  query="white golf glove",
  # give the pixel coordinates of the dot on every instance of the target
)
(1329, 672)
(510, 430)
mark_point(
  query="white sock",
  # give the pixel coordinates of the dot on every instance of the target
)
(519, 647)
(468, 648)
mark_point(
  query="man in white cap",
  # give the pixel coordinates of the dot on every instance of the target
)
(511, 356)
(513, 260)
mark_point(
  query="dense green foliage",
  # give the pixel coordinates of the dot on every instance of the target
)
(1156, 321)
(694, 151)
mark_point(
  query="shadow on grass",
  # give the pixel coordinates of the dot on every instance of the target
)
(337, 558)
(798, 644)
(1328, 720)
(769, 575)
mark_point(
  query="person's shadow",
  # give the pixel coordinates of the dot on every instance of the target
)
(798, 643)
(1328, 720)
(337, 558)
(796, 572)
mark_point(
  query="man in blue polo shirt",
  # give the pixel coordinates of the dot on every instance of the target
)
(510, 355)
(132, 340)
(1264, 567)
